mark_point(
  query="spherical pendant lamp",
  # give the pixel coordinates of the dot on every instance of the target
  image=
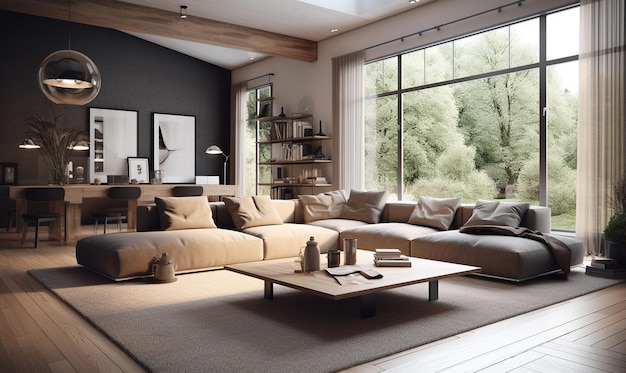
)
(69, 77)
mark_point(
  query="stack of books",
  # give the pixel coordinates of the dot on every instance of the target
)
(390, 258)
(605, 267)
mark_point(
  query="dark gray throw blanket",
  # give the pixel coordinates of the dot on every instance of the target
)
(560, 251)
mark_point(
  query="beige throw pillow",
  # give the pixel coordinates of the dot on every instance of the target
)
(323, 206)
(435, 212)
(365, 206)
(497, 213)
(184, 213)
(252, 211)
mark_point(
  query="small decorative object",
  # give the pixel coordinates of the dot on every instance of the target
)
(349, 251)
(164, 269)
(334, 258)
(159, 176)
(97, 181)
(134, 181)
(320, 133)
(282, 112)
(80, 174)
(311, 256)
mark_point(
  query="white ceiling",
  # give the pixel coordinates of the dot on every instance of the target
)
(306, 19)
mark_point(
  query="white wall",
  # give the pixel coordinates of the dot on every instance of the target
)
(295, 81)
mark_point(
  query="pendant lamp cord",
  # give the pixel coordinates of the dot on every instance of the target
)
(69, 24)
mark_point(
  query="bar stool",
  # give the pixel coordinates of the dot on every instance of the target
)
(116, 214)
(187, 191)
(35, 219)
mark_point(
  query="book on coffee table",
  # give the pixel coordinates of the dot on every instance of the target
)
(392, 262)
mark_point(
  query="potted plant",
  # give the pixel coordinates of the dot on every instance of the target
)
(615, 230)
(55, 143)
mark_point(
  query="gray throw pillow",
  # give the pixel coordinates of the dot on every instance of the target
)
(365, 206)
(497, 213)
(435, 212)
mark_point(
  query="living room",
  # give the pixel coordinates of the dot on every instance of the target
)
(142, 78)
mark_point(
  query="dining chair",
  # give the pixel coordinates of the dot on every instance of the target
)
(116, 214)
(42, 194)
(187, 191)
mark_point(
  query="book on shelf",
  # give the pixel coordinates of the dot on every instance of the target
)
(392, 263)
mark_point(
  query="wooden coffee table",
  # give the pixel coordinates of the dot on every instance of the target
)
(320, 283)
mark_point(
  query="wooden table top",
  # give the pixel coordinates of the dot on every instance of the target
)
(281, 271)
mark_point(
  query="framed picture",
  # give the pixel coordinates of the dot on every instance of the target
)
(113, 138)
(139, 169)
(174, 147)
(8, 173)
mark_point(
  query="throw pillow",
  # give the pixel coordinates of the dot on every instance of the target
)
(252, 211)
(322, 206)
(365, 206)
(184, 213)
(435, 212)
(498, 213)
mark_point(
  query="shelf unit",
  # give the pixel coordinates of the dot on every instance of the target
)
(290, 159)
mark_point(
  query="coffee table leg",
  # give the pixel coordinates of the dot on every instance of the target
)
(269, 289)
(368, 305)
(433, 290)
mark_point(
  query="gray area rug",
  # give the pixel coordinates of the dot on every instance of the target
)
(218, 321)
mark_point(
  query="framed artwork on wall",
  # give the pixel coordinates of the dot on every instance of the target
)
(113, 138)
(139, 169)
(8, 173)
(174, 147)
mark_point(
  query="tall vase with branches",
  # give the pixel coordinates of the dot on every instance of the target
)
(56, 144)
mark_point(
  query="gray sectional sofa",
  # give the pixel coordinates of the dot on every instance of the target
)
(257, 228)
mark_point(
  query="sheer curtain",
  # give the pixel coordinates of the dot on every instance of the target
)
(348, 119)
(600, 116)
(240, 119)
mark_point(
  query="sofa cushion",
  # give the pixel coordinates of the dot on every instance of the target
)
(498, 213)
(184, 213)
(322, 206)
(338, 225)
(386, 235)
(252, 211)
(283, 241)
(365, 206)
(435, 212)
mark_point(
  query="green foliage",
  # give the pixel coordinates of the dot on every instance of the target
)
(561, 184)
(473, 186)
(56, 144)
(615, 230)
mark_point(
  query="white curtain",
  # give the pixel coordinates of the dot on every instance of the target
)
(600, 116)
(348, 120)
(239, 129)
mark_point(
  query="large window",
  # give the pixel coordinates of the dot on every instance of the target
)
(255, 152)
(492, 115)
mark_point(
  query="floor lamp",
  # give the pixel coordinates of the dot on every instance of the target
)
(214, 150)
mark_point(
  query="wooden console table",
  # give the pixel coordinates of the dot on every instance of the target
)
(76, 193)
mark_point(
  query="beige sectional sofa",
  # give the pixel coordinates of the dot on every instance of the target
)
(246, 237)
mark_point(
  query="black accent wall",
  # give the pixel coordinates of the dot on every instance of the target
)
(136, 75)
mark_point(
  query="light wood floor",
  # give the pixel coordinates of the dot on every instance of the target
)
(40, 333)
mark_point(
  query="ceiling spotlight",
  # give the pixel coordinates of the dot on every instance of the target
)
(183, 11)
(413, 1)
(334, 30)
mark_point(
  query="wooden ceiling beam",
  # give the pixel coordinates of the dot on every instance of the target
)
(134, 18)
